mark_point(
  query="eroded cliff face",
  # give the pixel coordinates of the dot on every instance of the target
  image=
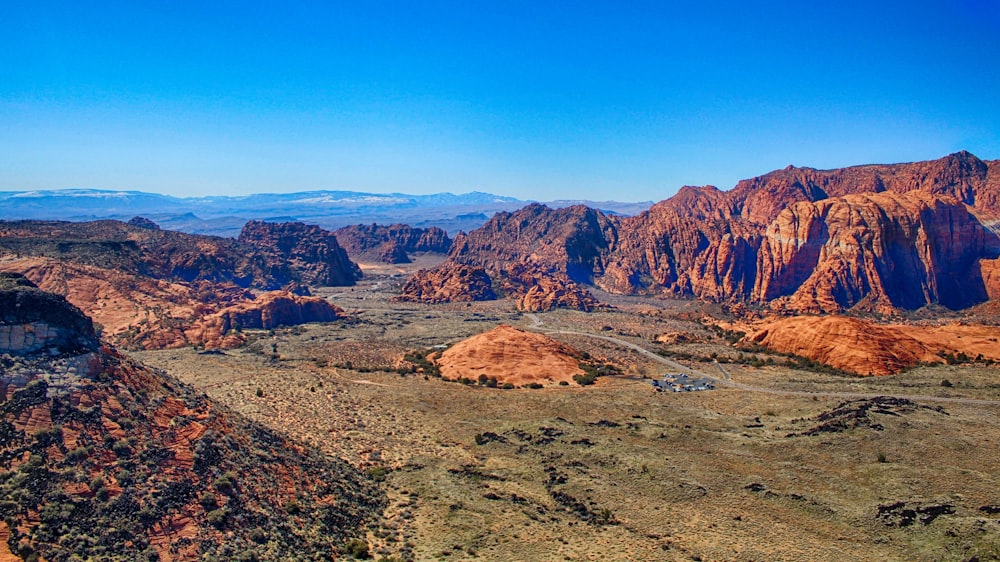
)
(881, 251)
(310, 251)
(106, 455)
(138, 312)
(961, 176)
(33, 321)
(307, 254)
(880, 237)
(391, 244)
(569, 241)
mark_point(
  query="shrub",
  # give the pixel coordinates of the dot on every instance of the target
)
(357, 548)
(217, 517)
(378, 473)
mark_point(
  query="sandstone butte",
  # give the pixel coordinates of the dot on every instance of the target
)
(865, 348)
(512, 356)
(195, 486)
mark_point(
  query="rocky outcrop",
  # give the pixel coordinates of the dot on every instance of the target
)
(143, 222)
(120, 459)
(138, 312)
(33, 321)
(527, 284)
(570, 240)
(846, 343)
(270, 310)
(310, 251)
(391, 244)
(866, 348)
(307, 255)
(511, 356)
(535, 290)
(879, 251)
(449, 282)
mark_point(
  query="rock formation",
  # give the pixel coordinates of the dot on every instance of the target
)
(881, 251)
(866, 348)
(449, 282)
(879, 237)
(536, 290)
(526, 283)
(569, 241)
(107, 456)
(270, 310)
(310, 251)
(391, 244)
(512, 356)
(33, 321)
(306, 254)
(849, 344)
(138, 312)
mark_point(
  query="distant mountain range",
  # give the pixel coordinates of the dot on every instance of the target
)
(225, 215)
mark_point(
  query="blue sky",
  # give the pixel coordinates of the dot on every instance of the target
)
(539, 100)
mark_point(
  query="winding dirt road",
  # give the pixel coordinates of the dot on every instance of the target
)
(750, 388)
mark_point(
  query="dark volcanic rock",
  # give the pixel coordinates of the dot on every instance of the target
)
(32, 320)
(391, 244)
(449, 282)
(312, 252)
(143, 222)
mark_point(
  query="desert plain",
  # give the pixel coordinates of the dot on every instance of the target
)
(777, 462)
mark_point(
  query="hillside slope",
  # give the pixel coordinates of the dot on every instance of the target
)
(104, 458)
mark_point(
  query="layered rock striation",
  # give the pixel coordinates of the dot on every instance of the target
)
(511, 356)
(879, 237)
(32, 320)
(391, 244)
(142, 313)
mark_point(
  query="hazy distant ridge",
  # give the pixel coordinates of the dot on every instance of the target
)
(225, 215)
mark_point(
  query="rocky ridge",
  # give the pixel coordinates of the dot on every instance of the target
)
(391, 244)
(107, 459)
(879, 237)
(267, 256)
(142, 313)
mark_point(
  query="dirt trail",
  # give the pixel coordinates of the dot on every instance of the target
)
(750, 388)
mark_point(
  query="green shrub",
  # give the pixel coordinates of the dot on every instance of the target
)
(357, 548)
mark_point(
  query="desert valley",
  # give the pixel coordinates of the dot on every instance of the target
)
(823, 343)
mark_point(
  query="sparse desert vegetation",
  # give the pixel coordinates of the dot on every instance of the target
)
(780, 462)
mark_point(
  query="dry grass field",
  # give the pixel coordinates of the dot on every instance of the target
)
(785, 467)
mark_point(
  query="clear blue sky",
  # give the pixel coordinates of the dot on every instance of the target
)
(541, 100)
